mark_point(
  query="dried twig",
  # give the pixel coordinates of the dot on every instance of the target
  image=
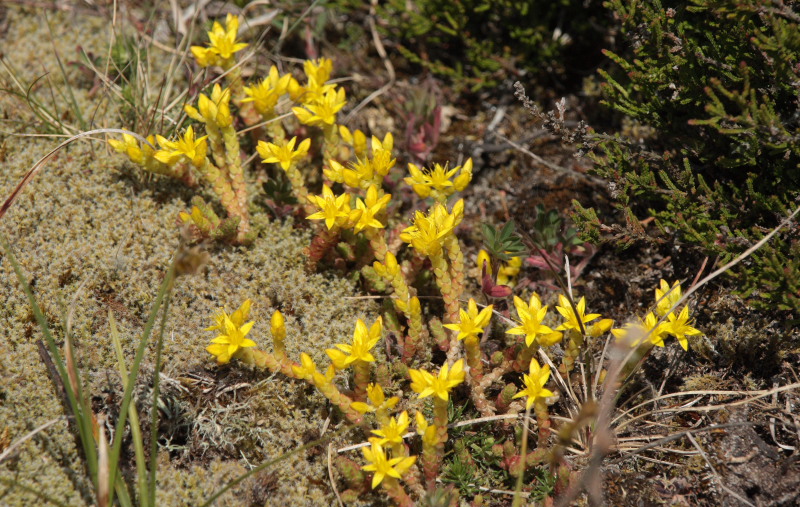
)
(386, 63)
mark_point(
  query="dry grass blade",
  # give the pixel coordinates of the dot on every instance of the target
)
(39, 165)
(103, 475)
(13, 447)
(330, 475)
(716, 475)
(675, 436)
(376, 39)
(589, 479)
(756, 395)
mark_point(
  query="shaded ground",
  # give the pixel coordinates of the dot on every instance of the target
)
(92, 232)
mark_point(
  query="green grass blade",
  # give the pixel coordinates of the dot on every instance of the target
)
(74, 103)
(136, 429)
(84, 420)
(123, 497)
(166, 287)
(80, 394)
(151, 480)
(294, 25)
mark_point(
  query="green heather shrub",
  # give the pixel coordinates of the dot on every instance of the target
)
(478, 43)
(715, 85)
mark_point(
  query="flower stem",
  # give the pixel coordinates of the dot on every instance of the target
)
(343, 402)
(361, 380)
(472, 346)
(322, 242)
(396, 492)
(299, 189)
(451, 304)
(233, 161)
(377, 241)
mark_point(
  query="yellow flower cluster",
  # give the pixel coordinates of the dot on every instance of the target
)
(284, 154)
(265, 95)
(383, 466)
(471, 321)
(366, 171)
(377, 400)
(232, 331)
(430, 231)
(356, 167)
(337, 212)
(214, 110)
(222, 44)
(172, 152)
(426, 384)
(532, 316)
(138, 153)
(654, 328)
(363, 341)
(321, 101)
(535, 381)
(435, 181)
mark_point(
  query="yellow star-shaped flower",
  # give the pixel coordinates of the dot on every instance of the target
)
(363, 341)
(534, 384)
(265, 94)
(429, 232)
(187, 146)
(392, 433)
(377, 400)
(426, 384)
(230, 340)
(531, 316)
(372, 205)
(680, 327)
(383, 466)
(435, 181)
(137, 153)
(471, 321)
(575, 322)
(319, 70)
(214, 110)
(222, 44)
(334, 210)
(322, 111)
(284, 154)
(238, 317)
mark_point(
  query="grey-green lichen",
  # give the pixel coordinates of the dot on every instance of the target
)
(94, 235)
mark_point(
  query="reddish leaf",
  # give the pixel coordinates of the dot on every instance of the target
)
(495, 291)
